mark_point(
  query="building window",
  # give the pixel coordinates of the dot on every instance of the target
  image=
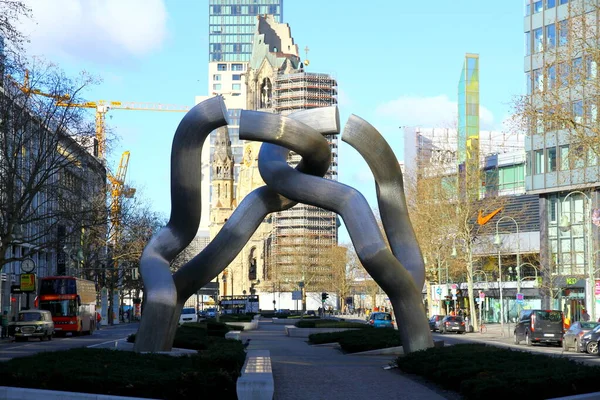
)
(563, 157)
(527, 43)
(551, 77)
(578, 111)
(216, 10)
(236, 10)
(551, 159)
(236, 86)
(273, 9)
(538, 80)
(528, 82)
(537, 6)
(236, 77)
(550, 36)
(237, 67)
(563, 32)
(591, 68)
(217, 86)
(538, 156)
(216, 77)
(576, 69)
(563, 2)
(563, 74)
(550, 3)
(538, 40)
(221, 67)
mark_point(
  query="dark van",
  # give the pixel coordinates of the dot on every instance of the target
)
(540, 326)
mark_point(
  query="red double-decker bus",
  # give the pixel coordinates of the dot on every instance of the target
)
(72, 303)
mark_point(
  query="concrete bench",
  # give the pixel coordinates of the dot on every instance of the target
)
(233, 335)
(256, 381)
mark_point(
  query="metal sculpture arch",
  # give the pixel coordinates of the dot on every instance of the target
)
(399, 272)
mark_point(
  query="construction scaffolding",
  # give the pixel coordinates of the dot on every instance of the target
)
(299, 247)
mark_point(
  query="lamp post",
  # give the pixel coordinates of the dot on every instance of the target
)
(498, 242)
(565, 225)
(480, 299)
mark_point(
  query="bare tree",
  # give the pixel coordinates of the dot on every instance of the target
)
(11, 11)
(51, 183)
(563, 91)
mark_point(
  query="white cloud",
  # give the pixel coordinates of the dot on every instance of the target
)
(96, 30)
(436, 111)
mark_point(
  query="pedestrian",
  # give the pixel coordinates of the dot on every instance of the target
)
(98, 320)
(4, 324)
(584, 315)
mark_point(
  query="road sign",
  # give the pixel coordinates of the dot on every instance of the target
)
(297, 295)
(27, 282)
(439, 291)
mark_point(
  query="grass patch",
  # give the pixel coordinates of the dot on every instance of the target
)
(236, 318)
(329, 323)
(479, 371)
(360, 340)
(214, 369)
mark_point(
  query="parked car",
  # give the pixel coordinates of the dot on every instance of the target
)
(539, 326)
(589, 341)
(311, 313)
(572, 338)
(451, 323)
(188, 315)
(32, 323)
(282, 312)
(381, 320)
(211, 312)
(435, 321)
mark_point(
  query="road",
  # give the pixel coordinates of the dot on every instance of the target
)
(101, 338)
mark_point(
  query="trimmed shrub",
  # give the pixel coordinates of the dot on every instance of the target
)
(480, 371)
(123, 373)
(360, 340)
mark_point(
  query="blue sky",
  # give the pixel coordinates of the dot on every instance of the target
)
(397, 64)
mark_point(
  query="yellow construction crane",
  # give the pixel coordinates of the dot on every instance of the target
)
(118, 190)
(102, 107)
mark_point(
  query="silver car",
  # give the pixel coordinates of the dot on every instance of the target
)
(572, 338)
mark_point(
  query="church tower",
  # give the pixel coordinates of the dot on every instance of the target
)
(222, 181)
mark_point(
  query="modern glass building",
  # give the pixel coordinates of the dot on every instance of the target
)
(468, 126)
(231, 29)
(231, 26)
(562, 166)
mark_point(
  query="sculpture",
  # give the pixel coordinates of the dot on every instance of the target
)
(301, 132)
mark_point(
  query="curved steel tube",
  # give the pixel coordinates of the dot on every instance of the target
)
(375, 256)
(160, 320)
(250, 213)
(384, 165)
(167, 294)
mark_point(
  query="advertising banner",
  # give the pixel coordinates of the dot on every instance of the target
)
(115, 307)
(27, 282)
(104, 305)
(597, 289)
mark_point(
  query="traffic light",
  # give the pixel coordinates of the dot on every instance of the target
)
(324, 296)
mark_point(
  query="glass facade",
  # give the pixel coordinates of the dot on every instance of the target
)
(468, 118)
(231, 26)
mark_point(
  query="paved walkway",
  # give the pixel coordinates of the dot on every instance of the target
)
(302, 371)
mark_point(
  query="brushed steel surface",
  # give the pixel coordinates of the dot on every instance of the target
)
(371, 249)
(160, 319)
(384, 165)
(166, 294)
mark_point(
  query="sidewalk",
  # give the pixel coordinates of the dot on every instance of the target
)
(302, 371)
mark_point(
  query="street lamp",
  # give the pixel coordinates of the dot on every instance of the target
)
(565, 225)
(498, 242)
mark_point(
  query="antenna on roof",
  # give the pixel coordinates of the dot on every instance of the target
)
(306, 61)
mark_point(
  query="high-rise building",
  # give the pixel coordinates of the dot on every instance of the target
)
(231, 31)
(301, 238)
(561, 59)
